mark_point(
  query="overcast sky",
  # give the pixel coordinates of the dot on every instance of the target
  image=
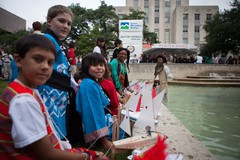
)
(32, 10)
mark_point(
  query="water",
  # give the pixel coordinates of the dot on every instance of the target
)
(212, 114)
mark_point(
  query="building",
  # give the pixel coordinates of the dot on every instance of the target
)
(174, 21)
(10, 22)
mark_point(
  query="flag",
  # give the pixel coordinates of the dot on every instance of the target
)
(156, 152)
(125, 125)
(154, 92)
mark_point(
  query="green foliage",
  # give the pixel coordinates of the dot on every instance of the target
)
(8, 40)
(223, 32)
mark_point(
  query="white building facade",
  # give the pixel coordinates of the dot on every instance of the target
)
(174, 21)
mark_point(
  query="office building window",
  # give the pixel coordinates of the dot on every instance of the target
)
(167, 20)
(156, 20)
(167, 36)
(156, 6)
(197, 17)
(185, 28)
(167, 3)
(146, 3)
(185, 40)
(196, 40)
(146, 19)
(178, 2)
(209, 17)
(157, 32)
(196, 29)
(185, 16)
(135, 3)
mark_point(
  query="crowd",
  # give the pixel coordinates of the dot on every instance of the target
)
(216, 58)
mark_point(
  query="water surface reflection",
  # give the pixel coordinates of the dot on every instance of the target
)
(212, 114)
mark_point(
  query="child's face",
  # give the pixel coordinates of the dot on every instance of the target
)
(109, 72)
(97, 71)
(60, 25)
(36, 67)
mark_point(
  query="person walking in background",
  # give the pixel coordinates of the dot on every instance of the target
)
(118, 44)
(164, 74)
(7, 58)
(199, 59)
(101, 48)
(72, 57)
(37, 27)
(26, 130)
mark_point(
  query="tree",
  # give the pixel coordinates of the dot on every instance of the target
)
(223, 31)
(8, 40)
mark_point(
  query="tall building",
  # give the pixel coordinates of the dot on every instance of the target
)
(174, 21)
(11, 22)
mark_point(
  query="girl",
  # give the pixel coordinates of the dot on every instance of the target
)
(108, 86)
(91, 101)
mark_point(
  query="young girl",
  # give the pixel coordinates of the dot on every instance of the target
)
(101, 47)
(26, 130)
(91, 101)
(108, 86)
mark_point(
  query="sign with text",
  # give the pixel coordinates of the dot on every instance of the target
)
(131, 34)
(186, 46)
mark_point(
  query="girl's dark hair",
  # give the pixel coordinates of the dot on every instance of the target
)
(117, 41)
(91, 59)
(108, 67)
(100, 39)
(31, 41)
(71, 44)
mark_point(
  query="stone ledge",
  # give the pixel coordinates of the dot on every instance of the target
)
(180, 139)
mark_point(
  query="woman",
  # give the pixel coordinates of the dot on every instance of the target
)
(119, 71)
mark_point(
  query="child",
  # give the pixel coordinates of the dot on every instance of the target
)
(91, 101)
(26, 130)
(108, 86)
(56, 91)
(101, 47)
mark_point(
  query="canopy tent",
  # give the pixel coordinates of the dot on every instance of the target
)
(154, 52)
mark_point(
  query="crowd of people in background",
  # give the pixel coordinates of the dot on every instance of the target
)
(216, 58)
